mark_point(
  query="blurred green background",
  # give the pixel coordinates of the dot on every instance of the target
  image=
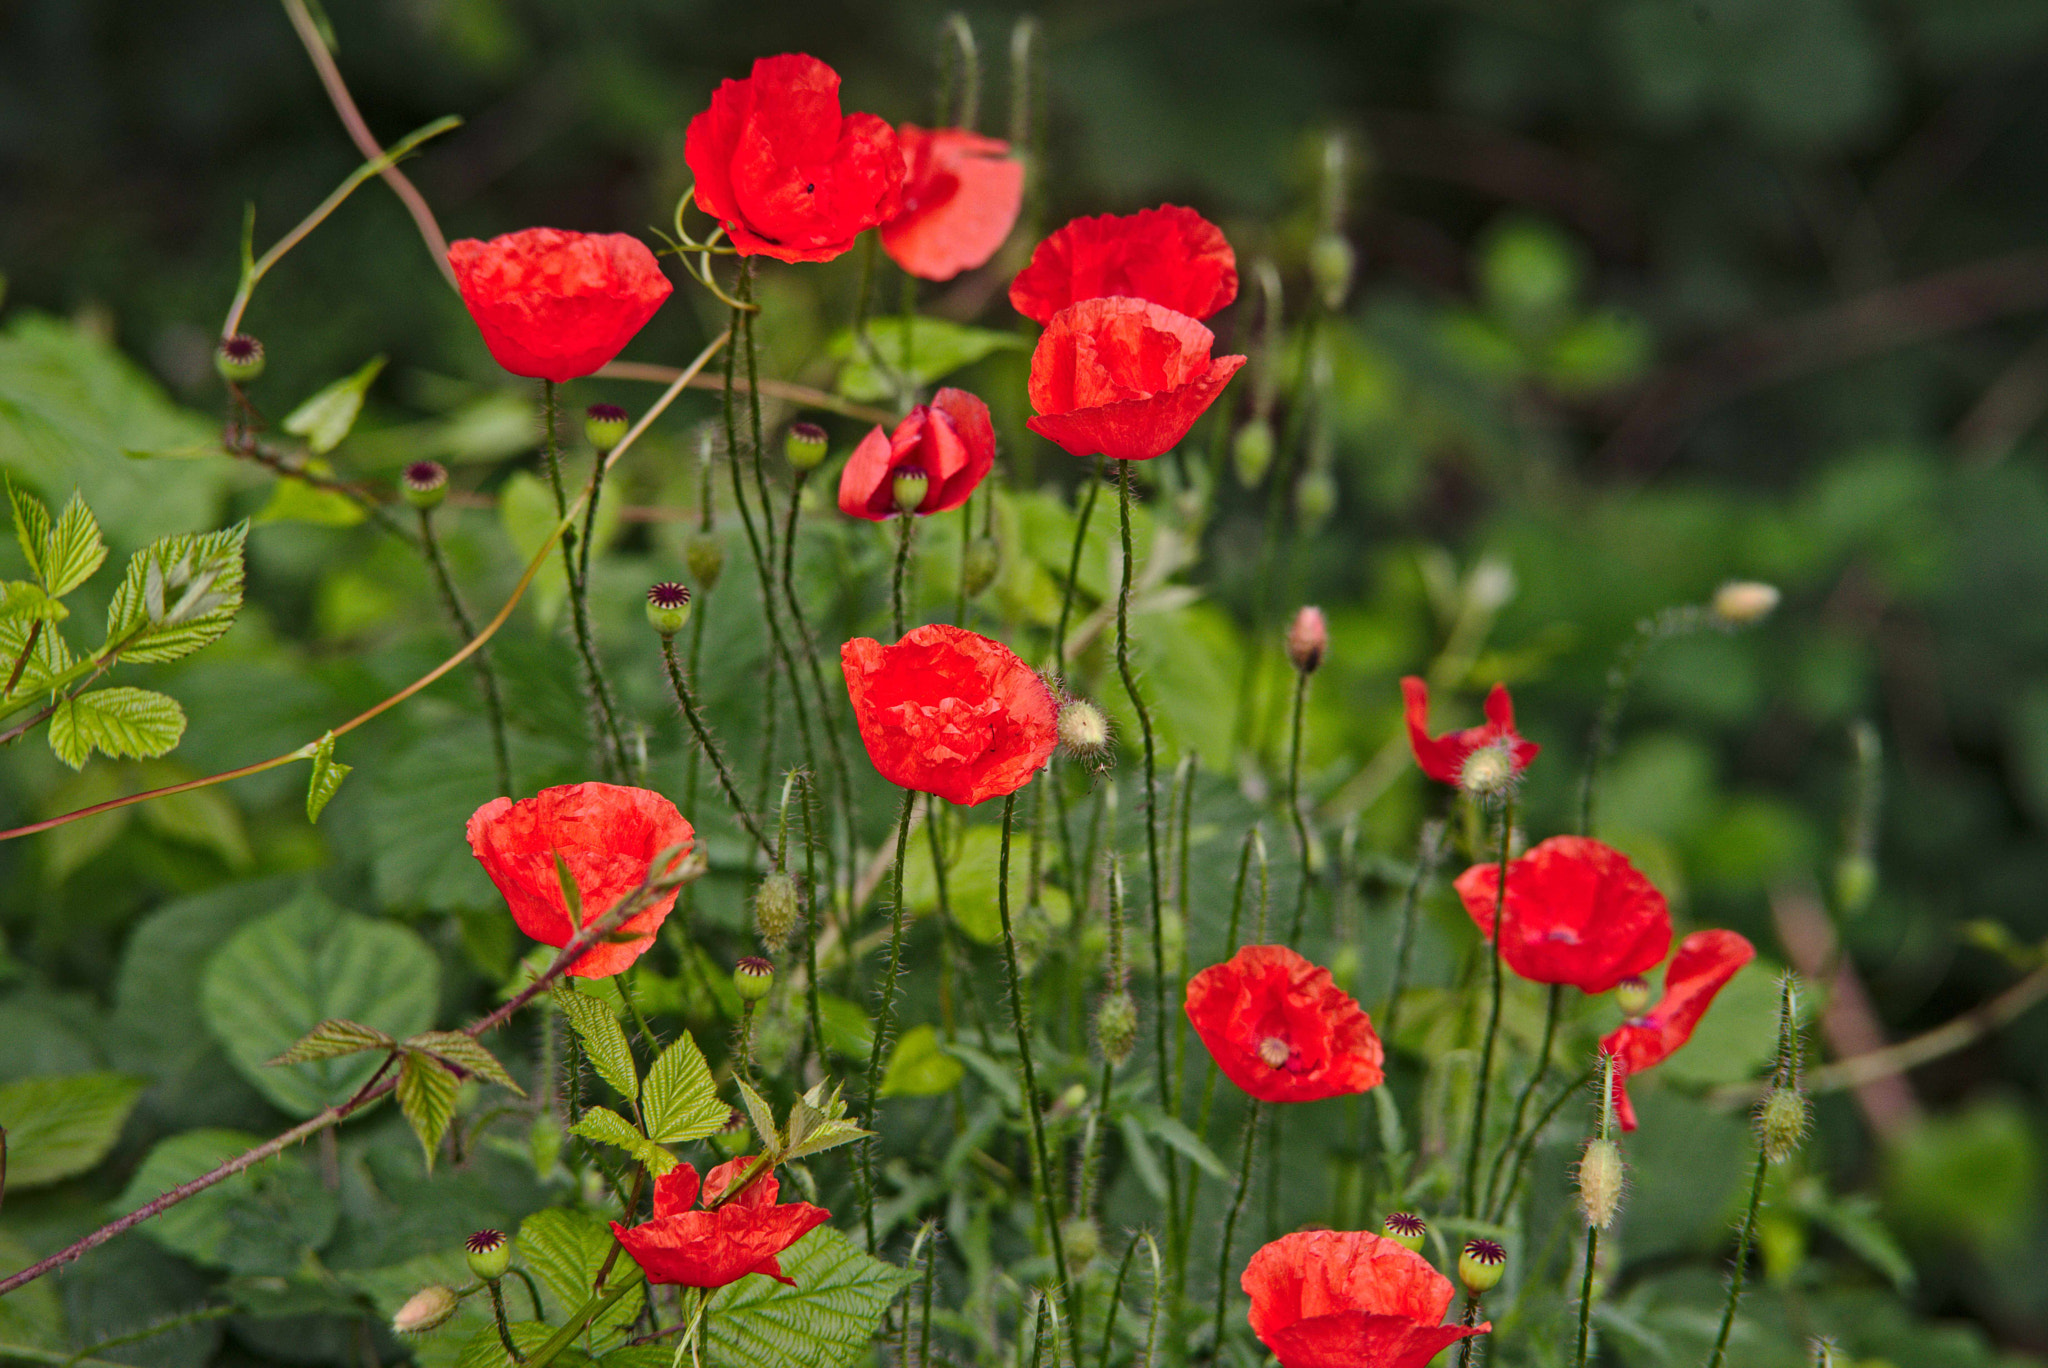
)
(1650, 295)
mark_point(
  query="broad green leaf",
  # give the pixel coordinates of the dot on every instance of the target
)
(1186, 1141)
(485, 1350)
(564, 1249)
(72, 550)
(938, 347)
(426, 1094)
(326, 780)
(325, 419)
(607, 1127)
(262, 1220)
(33, 1315)
(283, 974)
(177, 595)
(603, 1039)
(827, 1320)
(135, 724)
(920, 1067)
(679, 1101)
(26, 600)
(31, 526)
(58, 1127)
(332, 1039)
(293, 500)
(44, 661)
(465, 1053)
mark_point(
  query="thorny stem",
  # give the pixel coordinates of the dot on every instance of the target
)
(1468, 1320)
(1294, 806)
(740, 809)
(1470, 1187)
(885, 1020)
(486, 677)
(600, 694)
(810, 901)
(1237, 1201)
(1507, 1146)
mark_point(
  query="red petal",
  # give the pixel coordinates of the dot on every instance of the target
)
(556, 305)
(961, 194)
(1270, 993)
(1170, 255)
(1578, 913)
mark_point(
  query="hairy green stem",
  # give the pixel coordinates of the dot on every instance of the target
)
(1469, 1190)
(1552, 1011)
(841, 774)
(1059, 637)
(1586, 1295)
(599, 691)
(1237, 1201)
(906, 524)
(486, 677)
(1294, 807)
(681, 686)
(1742, 1244)
(885, 1020)
(1529, 1138)
(1428, 854)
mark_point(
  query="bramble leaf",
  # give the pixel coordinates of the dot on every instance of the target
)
(177, 595)
(135, 724)
(464, 1053)
(679, 1101)
(426, 1094)
(827, 1320)
(602, 1037)
(607, 1127)
(334, 1038)
(72, 549)
(325, 419)
(326, 780)
(61, 1126)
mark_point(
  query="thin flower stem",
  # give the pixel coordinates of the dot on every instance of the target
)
(1469, 1190)
(1621, 682)
(966, 540)
(810, 900)
(1469, 1319)
(1742, 1244)
(1530, 1137)
(681, 686)
(504, 1327)
(599, 691)
(1059, 638)
(1552, 1011)
(1428, 854)
(840, 773)
(1586, 1296)
(1116, 1296)
(906, 524)
(597, 470)
(885, 1020)
(1237, 1202)
(1294, 807)
(486, 677)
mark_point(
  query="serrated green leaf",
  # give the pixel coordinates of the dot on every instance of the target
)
(920, 1067)
(295, 500)
(679, 1101)
(761, 1117)
(31, 526)
(938, 347)
(426, 1094)
(26, 600)
(48, 659)
(325, 419)
(332, 1039)
(134, 724)
(607, 1127)
(824, 1135)
(827, 1320)
(62, 1126)
(485, 1350)
(603, 1039)
(564, 1249)
(72, 549)
(326, 780)
(177, 595)
(261, 1221)
(465, 1053)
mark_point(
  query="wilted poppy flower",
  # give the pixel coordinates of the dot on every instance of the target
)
(1705, 961)
(555, 305)
(1281, 1029)
(1123, 377)
(1170, 255)
(608, 837)
(950, 441)
(712, 1248)
(1444, 758)
(784, 171)
(948, 712)
(961, 193)
(1349, 1299)
(1578, 912)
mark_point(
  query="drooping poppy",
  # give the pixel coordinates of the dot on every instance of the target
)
(1443, 759)
(961, 194)
(556, 305)
(1349, 1299)
(788, 175)
(1705, 962)
(950, 441)
(1124, 378)
(1281, 1029)
(607, 835)
(1577, 912)
(722, 1245)
(1170, 255)
(949, 712)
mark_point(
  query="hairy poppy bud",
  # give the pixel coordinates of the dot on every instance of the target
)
(1488, 772)
(1781, 1123)
(668, 607)
(805, 445)
(1116, 1027)
(423, 484)
(1251, 452)
(775, 906)
(1632, 995)
(908, 488)
(983, 560)
(1480, 1266)
(1855, 882)
(704, 553)
(490, 1254)
(1082, 1240)
(1316, 497)
(1307, 639)
(752, 977)
(1406, 1229)
(1083, 729)
(239, 359)
(605, 425)
(1601, 1178)
(427, 1309)
(1740, 603)
(1331, 261)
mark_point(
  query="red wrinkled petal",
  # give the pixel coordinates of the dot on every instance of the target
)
(951, 439)
(1170, 255)
(1123, 378)
(1443, 759)
(1577, 912)
(712, 1248)
(1349, 1299)
(556, 305)
(1267, 997)
(1703, 966)
(961, 194)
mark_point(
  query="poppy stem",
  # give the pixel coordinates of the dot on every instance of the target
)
(1237, 1201)
(600, 692)
(1429, 853)
(1059, 638)
(907, 523)
(1586, 1296)
(681, 687)
(504, 1328)
(1529, 1138)
(810, 902)
(1485, 1084)
(1507, 1146)
(1742, 1245)
(826, 724)
(1469, 1319)
(885, 1020)
(1301, 678)
(486, 677)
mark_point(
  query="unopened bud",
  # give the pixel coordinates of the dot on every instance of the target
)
(1316, 497)
(909, 487)
(1081, 1240)
(983, 561)
(704, 553)
(1480, 1266)
(605, 425)
(668, 607)
(752, 977)
(1331, 261)
(1406, 1229)
(1740, 603)
(1781, 1123)
(490, 1254)
(1488, 772)
(1307, 639)
(805, 445)
(775, 908)
(1632, 995)
(423, 484)
(1116, 1027)
(1855, 883)
(427, 1309)
(1601, 1178)
(239, 359)
(1251, 452)
(1083, 729)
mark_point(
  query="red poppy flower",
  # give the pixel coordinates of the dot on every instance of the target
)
(948, 712)
(608, 837)
(1281, 1029)
(555, 305)
(961, 194)
(787, 175)
(722, 1245)
(1123, 377)
(1444, 758)
(950, 441)
(1705, 961)
(1578, 912)
(1170, 255)
(1349, 1299)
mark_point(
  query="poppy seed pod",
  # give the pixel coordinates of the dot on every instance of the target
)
(979, 570)
(1741, 603)
(804, 445)
(1251, 452)
(490, 1254)
(239, 359)
(908, 488)
(1601, 1179)
(1480, 1266)
(704, 553)
(1632, 995)
(423, 484)
(1307, 639)
(775, 908)
(1116, 1027)
(1406, 1229)
(1488, 772)
(605, 426)
(668, 607)
(752, 977)
(427, 1309)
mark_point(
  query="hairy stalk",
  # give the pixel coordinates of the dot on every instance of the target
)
(703, 602)
(1294, 807)
(1469, 1189)
(1059, 636)
(810, 797)
(486, 677)
(1621, 682)
(1586, 1296)
(599, 692)
(1469, 1319)
(681, 686)
(841, 779)
(1237, 1201)
(504, 1326)
(885, 1021)
(1550, 1015)
(906, 524)
(1429, 853)
(1116, 1297)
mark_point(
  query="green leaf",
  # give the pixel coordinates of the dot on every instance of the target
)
(26, 600)
(296, 500)
(48, 660)
(72, 550)
(282, 974)
(202, 817)
(761, 1117)
(333, 1039)
(920, 1067)
(135, 724)
(564, 1249)
(262, 1220)
(177, 595)
(327, 776)
(818, 1122)
(938, 347)
(1186, 1141)
(426, 1094)
(325, 419)
(679, 1101)
(607, 1127)
(827, 1320)
(31, 526)
(466, 1054)
(602, 1038)
(486, 1350)
(59, 1127)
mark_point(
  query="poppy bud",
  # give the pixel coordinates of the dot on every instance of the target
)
(1331, 262)
(1855, 882)
(735, 1136)
(775, 906)
(1251, 452)
(1406, 1229)
(423, 484)
(1781, 1123)
(1083, 729)
(1082, 1240)
(1488, 772)
(983, 560)
(1601, 1178)
(605, 425)
(239, 359)
(1116, 1027)
(752, 977)
(1632, 995)
(490, 1254)
(1316, 498)
(805, 445)
(1480, 1266)
(427, 1309)
(1307, 639)
(668, 607)
(1739, 603)
(908, 487)
(704, 553)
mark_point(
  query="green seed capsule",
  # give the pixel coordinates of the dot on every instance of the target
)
(752, 977)
(1406, 1229)
(1251, 452)
(668, 607)
(704, 553)
(239, 359)
(1480, 1266)
(605, 426)
(805, 445)
(490, 1254)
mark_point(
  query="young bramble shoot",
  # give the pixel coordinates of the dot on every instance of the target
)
(1744, 603)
